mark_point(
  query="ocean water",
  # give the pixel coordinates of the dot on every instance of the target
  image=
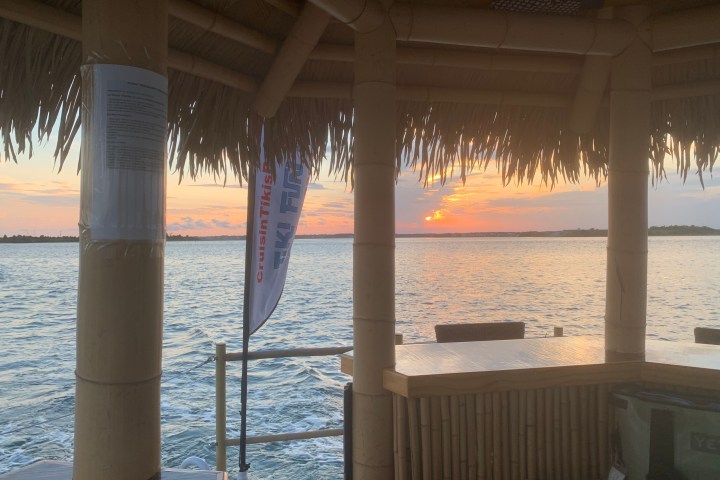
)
(545, 282)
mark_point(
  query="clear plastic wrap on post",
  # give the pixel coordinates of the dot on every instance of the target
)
(123, 155)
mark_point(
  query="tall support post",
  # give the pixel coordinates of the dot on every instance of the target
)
(122, 240)
(374, 251)
(626, 295)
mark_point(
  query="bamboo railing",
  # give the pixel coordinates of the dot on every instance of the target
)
(222, 441)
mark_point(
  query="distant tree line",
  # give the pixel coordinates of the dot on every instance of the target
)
(672, 230)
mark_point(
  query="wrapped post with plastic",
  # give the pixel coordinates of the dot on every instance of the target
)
(667, 435)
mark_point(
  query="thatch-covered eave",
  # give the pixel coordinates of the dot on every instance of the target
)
(459, 107)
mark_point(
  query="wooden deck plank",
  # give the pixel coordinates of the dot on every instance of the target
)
(54, 470)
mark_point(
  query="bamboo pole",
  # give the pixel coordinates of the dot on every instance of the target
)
(628, 170)
(396, 433)
(402, 439)
(455, 436)
(462, 418)
(591, 88)
(362, 16)
(220, 408)
(497, 437)
(593, 433)
(603, 452)
(373, 252)
(574, 431)
(480, 429)
(471, 415)
(557, 435)
(688, 28)
(437, 463)
(524, 427)
(415, 441)
(540, 442)
(505, 426)
(426, 438)
(211, 21)
(302, 38)
(566, 450)
(489, 435)
(446, 438)
(584, 430)
(508, 30)
(120, 287)
(532, 425)
(514, 414)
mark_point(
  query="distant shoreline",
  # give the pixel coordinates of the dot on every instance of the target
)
(664, 231)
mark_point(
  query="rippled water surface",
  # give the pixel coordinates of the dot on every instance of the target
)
(545, 282)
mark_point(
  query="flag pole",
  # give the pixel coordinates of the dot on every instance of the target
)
(249, 245)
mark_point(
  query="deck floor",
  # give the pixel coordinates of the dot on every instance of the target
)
(53, 470)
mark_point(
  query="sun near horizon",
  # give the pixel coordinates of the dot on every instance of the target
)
(36, 200)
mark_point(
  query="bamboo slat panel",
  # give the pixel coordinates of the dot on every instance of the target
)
(549, 433)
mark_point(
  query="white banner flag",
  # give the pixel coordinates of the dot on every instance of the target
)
(278, 203)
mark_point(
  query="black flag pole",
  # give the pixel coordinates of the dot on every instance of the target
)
(249, 245)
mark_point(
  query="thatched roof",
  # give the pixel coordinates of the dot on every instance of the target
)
(459, 107)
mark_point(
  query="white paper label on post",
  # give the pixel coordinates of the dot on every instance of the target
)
(126, 153)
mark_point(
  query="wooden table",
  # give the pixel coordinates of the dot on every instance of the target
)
(468, 367)
(535, 408)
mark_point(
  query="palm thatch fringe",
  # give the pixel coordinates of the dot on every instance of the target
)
(38, 93)
(212, 128)
(439, 139)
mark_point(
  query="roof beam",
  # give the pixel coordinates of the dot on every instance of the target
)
(591, 88)
(43, 17)
(687, 28)
(60, 22)
(363, 16)
(303, 37)
(210, 21)
(488, 28)
(507, 30)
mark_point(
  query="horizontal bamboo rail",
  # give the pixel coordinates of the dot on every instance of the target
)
(221, 357)
(284, 437)
(288, 353)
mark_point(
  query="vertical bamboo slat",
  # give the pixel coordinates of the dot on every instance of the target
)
(584, 429)
(489, 436)
(514, 433)
(505, 426)
(557, 442)
(396, 433)
(604, 461)
(426, 438)
(436, 438)
(446, 437)
(531, 435)
(593, 433)
(480, 425)
(574, 432)
(455, 436)
(470, 416)
(497, 435)
(402, 438)
(523, 433)
(414, 430)
(541, 445)
(462, 414)
(565, 419)
(549, 435)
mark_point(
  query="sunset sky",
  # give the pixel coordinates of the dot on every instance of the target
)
(36, 200)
